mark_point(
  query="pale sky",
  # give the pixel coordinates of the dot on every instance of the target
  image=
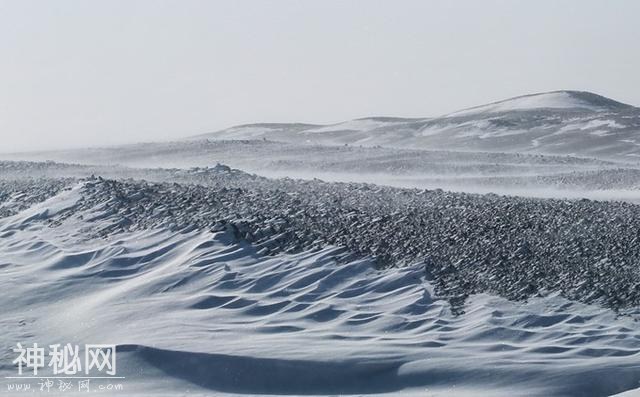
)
(78, 73)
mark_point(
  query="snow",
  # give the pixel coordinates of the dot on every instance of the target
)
(601, 123)
(549, 100)
(215, 281)
(352, 125)
(501, 173)
(531, 123)
(247, 132)
(555, 123)
(197, 313)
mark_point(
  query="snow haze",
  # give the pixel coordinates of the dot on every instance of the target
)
(78, 73)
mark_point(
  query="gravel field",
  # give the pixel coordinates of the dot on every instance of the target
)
(514, 247)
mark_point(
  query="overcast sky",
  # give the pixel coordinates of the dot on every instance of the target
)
(75, 73)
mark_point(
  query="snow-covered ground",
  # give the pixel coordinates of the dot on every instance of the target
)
(554, 123)
(475, 172)
(390, 276)
(560, 144)
(199, 313)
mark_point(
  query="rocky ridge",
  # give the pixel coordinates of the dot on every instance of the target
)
(514, 247)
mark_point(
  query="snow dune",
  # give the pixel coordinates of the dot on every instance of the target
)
(200, 313)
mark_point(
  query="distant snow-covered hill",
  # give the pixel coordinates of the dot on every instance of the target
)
(557, 144)
(560, 122)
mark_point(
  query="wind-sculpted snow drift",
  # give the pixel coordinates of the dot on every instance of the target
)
(201, 311)
(468, 243)
(212, 280)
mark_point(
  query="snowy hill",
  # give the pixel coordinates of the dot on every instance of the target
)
(548, 100)
(561, 123)
(520, 146)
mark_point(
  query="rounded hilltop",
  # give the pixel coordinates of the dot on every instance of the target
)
(557, 100)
